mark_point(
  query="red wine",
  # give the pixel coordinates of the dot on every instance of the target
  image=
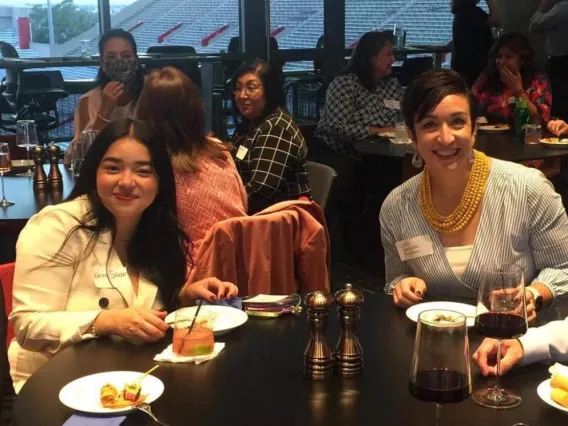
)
(440, 386)
(500, 325)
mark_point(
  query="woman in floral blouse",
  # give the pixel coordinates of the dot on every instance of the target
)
(511, 74)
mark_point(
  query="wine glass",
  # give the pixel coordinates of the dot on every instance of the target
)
(440, 370)
(501, 314)
(5, 167)
(26, 137)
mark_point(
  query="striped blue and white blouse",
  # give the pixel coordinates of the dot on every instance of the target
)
(522, 221)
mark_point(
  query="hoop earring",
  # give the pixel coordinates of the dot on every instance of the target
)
(417, 161)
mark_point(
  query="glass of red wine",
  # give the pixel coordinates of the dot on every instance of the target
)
(440, 370)
(501, 314)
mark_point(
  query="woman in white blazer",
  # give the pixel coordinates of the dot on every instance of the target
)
(111, 260)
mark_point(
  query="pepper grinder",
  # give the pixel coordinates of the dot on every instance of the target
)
(39, 179)
(318, 358)
(348, 352)
(54, 173)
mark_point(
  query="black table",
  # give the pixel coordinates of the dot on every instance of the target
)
(257, 380)
(503, 146)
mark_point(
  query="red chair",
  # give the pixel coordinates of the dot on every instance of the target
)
(7, 278)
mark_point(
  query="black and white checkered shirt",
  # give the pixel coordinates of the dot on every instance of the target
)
(271, 159)
(351, 110)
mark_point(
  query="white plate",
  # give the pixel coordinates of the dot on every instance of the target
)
(468, 310)
(543, 392)
(226, 318)
(563, 144)
(84, 393)
(494, 127)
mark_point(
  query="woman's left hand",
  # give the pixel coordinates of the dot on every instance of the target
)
(210, 289)
(512, 80)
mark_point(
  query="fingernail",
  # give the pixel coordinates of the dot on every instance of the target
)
(419, 293)
(212, 299)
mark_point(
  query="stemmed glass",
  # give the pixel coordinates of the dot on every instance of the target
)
(440, 370)
(501, 314)
(26, 136)
(5, 167)
(80, 148)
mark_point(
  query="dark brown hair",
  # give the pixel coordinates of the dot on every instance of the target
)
(430, 88)
(171, 106)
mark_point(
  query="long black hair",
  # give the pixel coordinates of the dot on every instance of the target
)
(518, 44)
(361, 61)
(102, 79)
(273, 91)
(159, 247)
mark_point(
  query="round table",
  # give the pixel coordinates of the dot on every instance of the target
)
(257, 380)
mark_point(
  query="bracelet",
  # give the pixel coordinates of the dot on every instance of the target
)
(102, 118)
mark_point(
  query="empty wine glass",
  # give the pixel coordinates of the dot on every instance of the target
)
(440, 370)
(5, 167)
(501, 314)
(26, 137)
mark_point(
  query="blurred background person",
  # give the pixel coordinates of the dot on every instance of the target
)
(472, 37)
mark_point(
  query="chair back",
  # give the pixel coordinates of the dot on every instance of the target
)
(321, 181)
(190, 69)
(413, 67)
(7, 279)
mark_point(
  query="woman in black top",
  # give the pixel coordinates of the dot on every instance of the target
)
(472, 37)
(269, 149)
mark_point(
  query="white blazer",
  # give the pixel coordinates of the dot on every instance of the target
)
(55, 305)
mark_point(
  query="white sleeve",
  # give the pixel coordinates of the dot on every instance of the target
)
(549, 342)
(42, 288)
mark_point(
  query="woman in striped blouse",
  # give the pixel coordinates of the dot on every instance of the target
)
(466, 210)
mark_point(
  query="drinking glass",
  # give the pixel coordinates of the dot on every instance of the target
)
(532, 134)
(26, 137)
(440, 370)
(400, 133)
(501, 314)
(5, 167)
(197, 341)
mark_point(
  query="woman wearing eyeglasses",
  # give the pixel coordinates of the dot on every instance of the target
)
(269, 149)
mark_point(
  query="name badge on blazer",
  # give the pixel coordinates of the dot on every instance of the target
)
(104, 279)
(414, 248)
(242, 152)
(392, 104)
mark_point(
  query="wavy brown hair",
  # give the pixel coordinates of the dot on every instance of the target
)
(171, 106)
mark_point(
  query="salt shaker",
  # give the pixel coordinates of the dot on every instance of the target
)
(54, 173)
(318, 358)
(348, 352)
(40, 179)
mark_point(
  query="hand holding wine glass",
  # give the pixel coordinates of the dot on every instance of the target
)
(501, 314)
(440, 370)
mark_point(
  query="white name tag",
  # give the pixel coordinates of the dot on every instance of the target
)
(414, 248)
(101, 278)
(241, 152)
(512, 100)
(392, 104)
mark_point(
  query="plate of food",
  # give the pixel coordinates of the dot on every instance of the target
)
(493, 127)
(555, 142)
(111, 392)
(225, 318)
(554, 391)
(468, 310)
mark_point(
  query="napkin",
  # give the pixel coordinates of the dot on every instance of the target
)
(168, 355)
(80, 420)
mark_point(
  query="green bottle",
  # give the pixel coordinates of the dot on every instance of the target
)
(521, 115)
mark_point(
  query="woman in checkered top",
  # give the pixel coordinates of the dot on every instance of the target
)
(269, 149)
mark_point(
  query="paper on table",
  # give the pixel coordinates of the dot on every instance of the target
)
(265, 298)
(167, 355)
(83, 420)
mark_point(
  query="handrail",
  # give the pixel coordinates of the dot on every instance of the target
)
(166, 33)
(206, 40)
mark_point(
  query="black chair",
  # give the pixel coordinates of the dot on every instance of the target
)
(413, 67)
(318, 64)
(191, 69)
(231, 67)
(9, 84)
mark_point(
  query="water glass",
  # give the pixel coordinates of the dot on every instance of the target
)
(5, 167)
(86, 52)
(197, 340)
(532, 133)
(26, 137)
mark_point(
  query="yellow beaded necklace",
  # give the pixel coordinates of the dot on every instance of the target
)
(469, 203)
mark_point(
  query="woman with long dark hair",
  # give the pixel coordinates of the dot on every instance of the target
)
(209, 188)
(110, 260)
(269, 149)
(117, 86)
(511, 74)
